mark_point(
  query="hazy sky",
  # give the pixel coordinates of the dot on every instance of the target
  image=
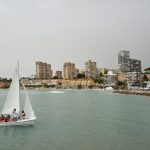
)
(72, 30)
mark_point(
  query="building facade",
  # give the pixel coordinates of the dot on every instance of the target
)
(103, 70)
(110, 79)
(122, 77)
(134, 79)
(135, 65)
(69, 70)
(43, 70)
(39, 74)
(49, 72)
(58, 74)
(124, 61)
(90, 69)
(127, 64)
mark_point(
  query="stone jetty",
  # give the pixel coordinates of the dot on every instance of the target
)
(133, 92)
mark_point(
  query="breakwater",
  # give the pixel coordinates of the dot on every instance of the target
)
(133, 92)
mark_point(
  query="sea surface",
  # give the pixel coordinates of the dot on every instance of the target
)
(81, 120)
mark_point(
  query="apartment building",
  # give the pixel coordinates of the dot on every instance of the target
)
(69, 70)
(90, 69)
(43, 70)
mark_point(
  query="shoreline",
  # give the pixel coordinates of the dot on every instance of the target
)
(127, 92)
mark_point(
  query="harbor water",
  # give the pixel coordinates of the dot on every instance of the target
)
(81, 120)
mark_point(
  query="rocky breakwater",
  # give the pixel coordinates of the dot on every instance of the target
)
(133, 92)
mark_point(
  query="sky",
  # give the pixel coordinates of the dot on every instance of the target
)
(58, 31)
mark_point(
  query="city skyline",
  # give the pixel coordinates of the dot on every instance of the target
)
(70, 31)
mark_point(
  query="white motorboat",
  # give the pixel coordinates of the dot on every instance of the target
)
(109, 88)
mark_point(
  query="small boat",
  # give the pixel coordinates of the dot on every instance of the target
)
(109, 88)
(13, 102)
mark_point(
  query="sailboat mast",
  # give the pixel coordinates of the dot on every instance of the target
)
(18, 79)
(18, 69)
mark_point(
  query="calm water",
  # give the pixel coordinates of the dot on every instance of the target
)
(81, 120)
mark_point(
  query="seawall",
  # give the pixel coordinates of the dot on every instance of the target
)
(133, 92)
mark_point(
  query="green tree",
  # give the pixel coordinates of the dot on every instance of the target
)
(122, 84)
(147, 69)
(90, 86)
(101, 75)
(55, 77)
(59, 83)
(99, 80)
(46, 85)
(80, 76)
(145, 78)
(106, 71)
(79, 86)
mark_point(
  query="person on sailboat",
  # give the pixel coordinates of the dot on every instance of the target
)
(23, 114)
(7, 119)
(2, 118)
(15, 115)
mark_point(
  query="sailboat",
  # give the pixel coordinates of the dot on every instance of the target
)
(13, 102)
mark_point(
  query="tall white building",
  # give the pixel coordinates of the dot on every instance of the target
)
(110, 79)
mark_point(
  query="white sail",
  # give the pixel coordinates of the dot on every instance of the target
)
(29, 113)
(12, 100)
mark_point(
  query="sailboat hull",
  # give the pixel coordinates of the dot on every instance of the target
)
(24, 122)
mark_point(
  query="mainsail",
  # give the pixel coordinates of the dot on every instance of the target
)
(27, 105)
(12, 100)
